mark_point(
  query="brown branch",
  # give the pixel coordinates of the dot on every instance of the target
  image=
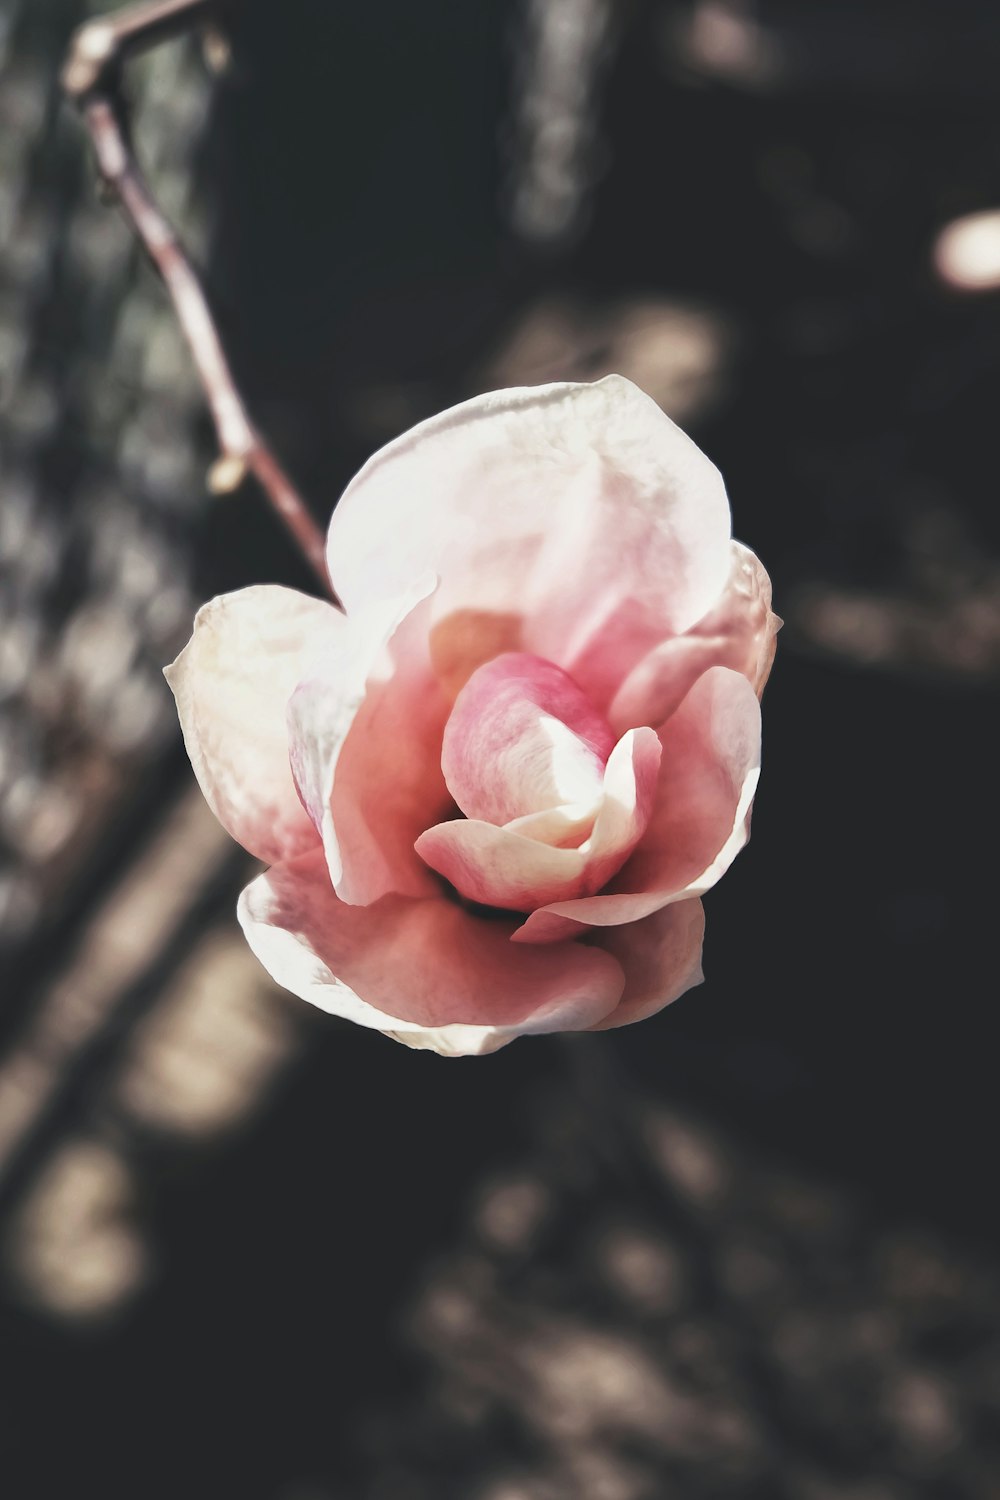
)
(92, 79)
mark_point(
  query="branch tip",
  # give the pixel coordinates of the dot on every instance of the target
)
(226, 474)
(91, 78)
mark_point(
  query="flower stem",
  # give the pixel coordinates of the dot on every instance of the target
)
(92, 80)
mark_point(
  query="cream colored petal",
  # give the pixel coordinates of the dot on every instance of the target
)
(232, 683)
(579, 510)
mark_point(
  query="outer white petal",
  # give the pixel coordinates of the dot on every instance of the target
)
(581, 508)
(232, 683)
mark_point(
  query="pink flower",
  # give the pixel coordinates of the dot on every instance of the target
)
(492, 794)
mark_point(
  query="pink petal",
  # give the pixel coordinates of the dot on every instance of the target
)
(425, 972)
(739, 632)
(522, 738)
(501, 867)
(365, 734)
(661, 956)
(701, 820)
(574, 521)
(232, 682)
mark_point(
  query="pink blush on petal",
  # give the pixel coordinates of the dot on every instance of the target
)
(506, 868)
(523, 738)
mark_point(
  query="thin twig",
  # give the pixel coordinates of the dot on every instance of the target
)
(92, 79)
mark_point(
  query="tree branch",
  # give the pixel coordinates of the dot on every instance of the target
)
(92, 80)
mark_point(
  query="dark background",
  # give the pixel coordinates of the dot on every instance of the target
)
(747, 1248)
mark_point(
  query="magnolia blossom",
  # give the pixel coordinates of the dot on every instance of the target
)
(493, 792)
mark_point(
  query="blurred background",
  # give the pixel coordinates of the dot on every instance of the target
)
(747, 1249)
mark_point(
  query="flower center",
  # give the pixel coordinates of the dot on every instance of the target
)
(522, 741)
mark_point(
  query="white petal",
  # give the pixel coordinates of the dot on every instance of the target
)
(232, 683)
